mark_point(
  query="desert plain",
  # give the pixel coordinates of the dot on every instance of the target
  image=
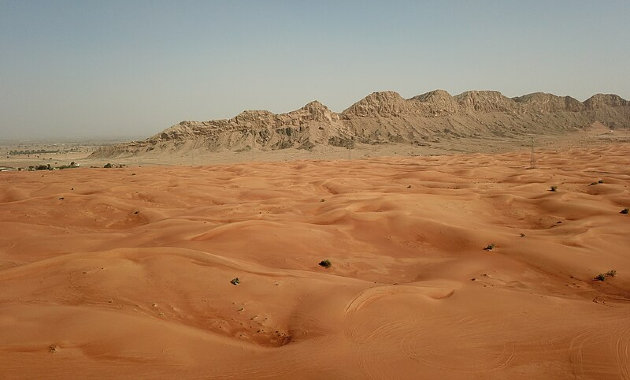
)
(451, 266)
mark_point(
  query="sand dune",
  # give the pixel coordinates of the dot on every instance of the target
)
(125, 273)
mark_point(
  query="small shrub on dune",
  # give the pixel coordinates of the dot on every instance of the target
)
(602, 276)
(43, 167)
(489, 247)
(235, 281)
(553, 188)
(108, 166)
(71, 166)
(325, 263)
(624, 211)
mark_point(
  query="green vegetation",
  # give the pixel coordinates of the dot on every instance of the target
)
(49, 167)
(71, 166)
(108, 166)
(41, 167)
(235, 281)
(325, 263)
(602, 276)
(32, 151)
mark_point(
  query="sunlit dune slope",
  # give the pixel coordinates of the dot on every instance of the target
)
(125, 273)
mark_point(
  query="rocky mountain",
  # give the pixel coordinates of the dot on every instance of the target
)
(386, 117)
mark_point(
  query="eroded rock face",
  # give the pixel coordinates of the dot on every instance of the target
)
(598, 101)
(485, 101)
(382, 104)
(543, 102)
(386, 117)
(437, 103)
(315, 111)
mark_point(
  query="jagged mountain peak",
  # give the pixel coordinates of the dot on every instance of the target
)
(545, 102)
(600, 100)
(381, 103)
(386, 117)
(433, 95)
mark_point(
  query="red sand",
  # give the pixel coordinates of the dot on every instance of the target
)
(114, 273)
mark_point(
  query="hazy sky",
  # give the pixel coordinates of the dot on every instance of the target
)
(132, 68)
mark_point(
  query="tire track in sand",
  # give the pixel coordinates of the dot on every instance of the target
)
(380, 318)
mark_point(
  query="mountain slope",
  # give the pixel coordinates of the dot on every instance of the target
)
(386, 117)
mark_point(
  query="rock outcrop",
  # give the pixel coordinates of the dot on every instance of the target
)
(545, 103)
(386, 117)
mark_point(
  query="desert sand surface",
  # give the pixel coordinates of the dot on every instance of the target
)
(125, 272)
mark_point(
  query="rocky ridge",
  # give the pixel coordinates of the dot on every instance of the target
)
(386, 117)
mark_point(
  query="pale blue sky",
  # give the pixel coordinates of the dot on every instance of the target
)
(132, 68)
